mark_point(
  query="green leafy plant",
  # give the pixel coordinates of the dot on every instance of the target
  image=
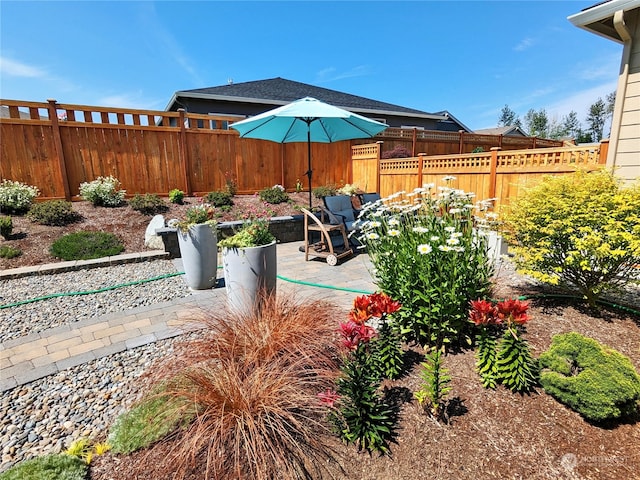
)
(176, 196)
(596, 381)
(253, 233)
(6, 226)
(360, 414)
(325, 190)
(103, 192)
(298, 186)
(218, 198)
(502, 354)
(52, 212)
(148, 204)
(16, 197)
(7, 251)
(197, 214)
(579, 231)
(426, 256)
(273, 195)
(432, 395)
(86, 245)
(349, 189)
(48, 467)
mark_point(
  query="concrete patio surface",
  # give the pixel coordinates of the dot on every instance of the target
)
(44, 353)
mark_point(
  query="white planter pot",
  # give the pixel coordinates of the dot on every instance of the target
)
(249, 276)
(199, 252)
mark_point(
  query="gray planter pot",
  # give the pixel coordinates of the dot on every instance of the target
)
(199, 251)
(249, 276)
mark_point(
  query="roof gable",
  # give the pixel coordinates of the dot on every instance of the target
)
(512, 130)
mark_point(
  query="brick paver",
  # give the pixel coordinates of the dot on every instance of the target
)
(34, 356)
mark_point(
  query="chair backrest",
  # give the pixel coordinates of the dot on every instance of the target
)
(340, 206)
(370, 197)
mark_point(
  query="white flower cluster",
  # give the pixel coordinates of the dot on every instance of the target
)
(16, 196)
(103, 191)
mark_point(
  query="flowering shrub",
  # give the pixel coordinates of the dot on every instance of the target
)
(426, 256)
(201, 213)
(230, 183)
(349, 189)
(359, 412)
(16, 197)
(103, 191)
(254, 231)
(398, 151)
(508, 360)
(274, 195)
(578, 231)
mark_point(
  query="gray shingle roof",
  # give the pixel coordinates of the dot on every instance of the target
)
(283, 91)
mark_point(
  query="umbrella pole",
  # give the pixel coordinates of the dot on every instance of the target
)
(309, 172)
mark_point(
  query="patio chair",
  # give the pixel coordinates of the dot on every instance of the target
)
(333, 244)
(369, 197)
(340, 210)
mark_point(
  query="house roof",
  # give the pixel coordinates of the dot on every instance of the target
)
(598, 18)
(449, 116)
(280, 91)
(508, 130)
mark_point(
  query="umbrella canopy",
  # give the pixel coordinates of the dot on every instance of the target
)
(308, 120)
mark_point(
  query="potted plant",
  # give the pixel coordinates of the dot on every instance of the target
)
(197, 239)
(249, 264)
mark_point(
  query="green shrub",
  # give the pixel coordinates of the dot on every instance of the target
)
(325, 191)
(152, 419)
(595, 381)
(427, 257)
(16, 197)
(274, 195)
(86, 245)
(103, 192)
(48, 467)
(219, 198)
(6, 227)
(53, 212)
(580, 231)
(7, 251)
(148, 204)
(176, 196)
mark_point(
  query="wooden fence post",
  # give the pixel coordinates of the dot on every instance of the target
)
(461, 145)
(378, 154)
(420, 168)
(414, 140)
(182, 146)
(493, 171)
(604, 151)
(57, 143)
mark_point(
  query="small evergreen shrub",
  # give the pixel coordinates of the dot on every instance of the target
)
(398, 152)
(148, 204)
(53, 212)
(325, 191)
(595, 381)
(7, 251)
(6, 227)
(48, 467)
(219, 198)
(86, 245)
(274, 195)
(16, 197)
(579, 231)
(176, 196)
(435, 386)
(103, 192)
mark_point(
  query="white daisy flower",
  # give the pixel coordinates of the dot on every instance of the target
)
(424, 249)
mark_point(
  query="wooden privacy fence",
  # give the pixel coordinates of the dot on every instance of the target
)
(496, 174)
(58, 146)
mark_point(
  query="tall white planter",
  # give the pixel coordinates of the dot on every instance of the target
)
(199, 252)
(249, 275)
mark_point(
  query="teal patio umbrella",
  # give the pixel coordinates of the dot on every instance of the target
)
(308, 120)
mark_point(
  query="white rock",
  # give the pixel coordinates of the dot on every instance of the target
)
(151, 240)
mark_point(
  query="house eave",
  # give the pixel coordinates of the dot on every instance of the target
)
(270, 103)
(597, 19)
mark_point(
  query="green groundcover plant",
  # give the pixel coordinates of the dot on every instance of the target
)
(6, 226)
(16, 197)
(48, 467)
(579, 231)
(597, 382)
(86, 245)
(52, 212)
(427, 256)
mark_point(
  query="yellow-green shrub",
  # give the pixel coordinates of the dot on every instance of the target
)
(580, 231)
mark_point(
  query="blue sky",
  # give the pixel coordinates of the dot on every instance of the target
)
(470, 58)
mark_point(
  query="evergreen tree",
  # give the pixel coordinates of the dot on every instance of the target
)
(596, 119)
(571, 125)
(537, 123)
(508, 117)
